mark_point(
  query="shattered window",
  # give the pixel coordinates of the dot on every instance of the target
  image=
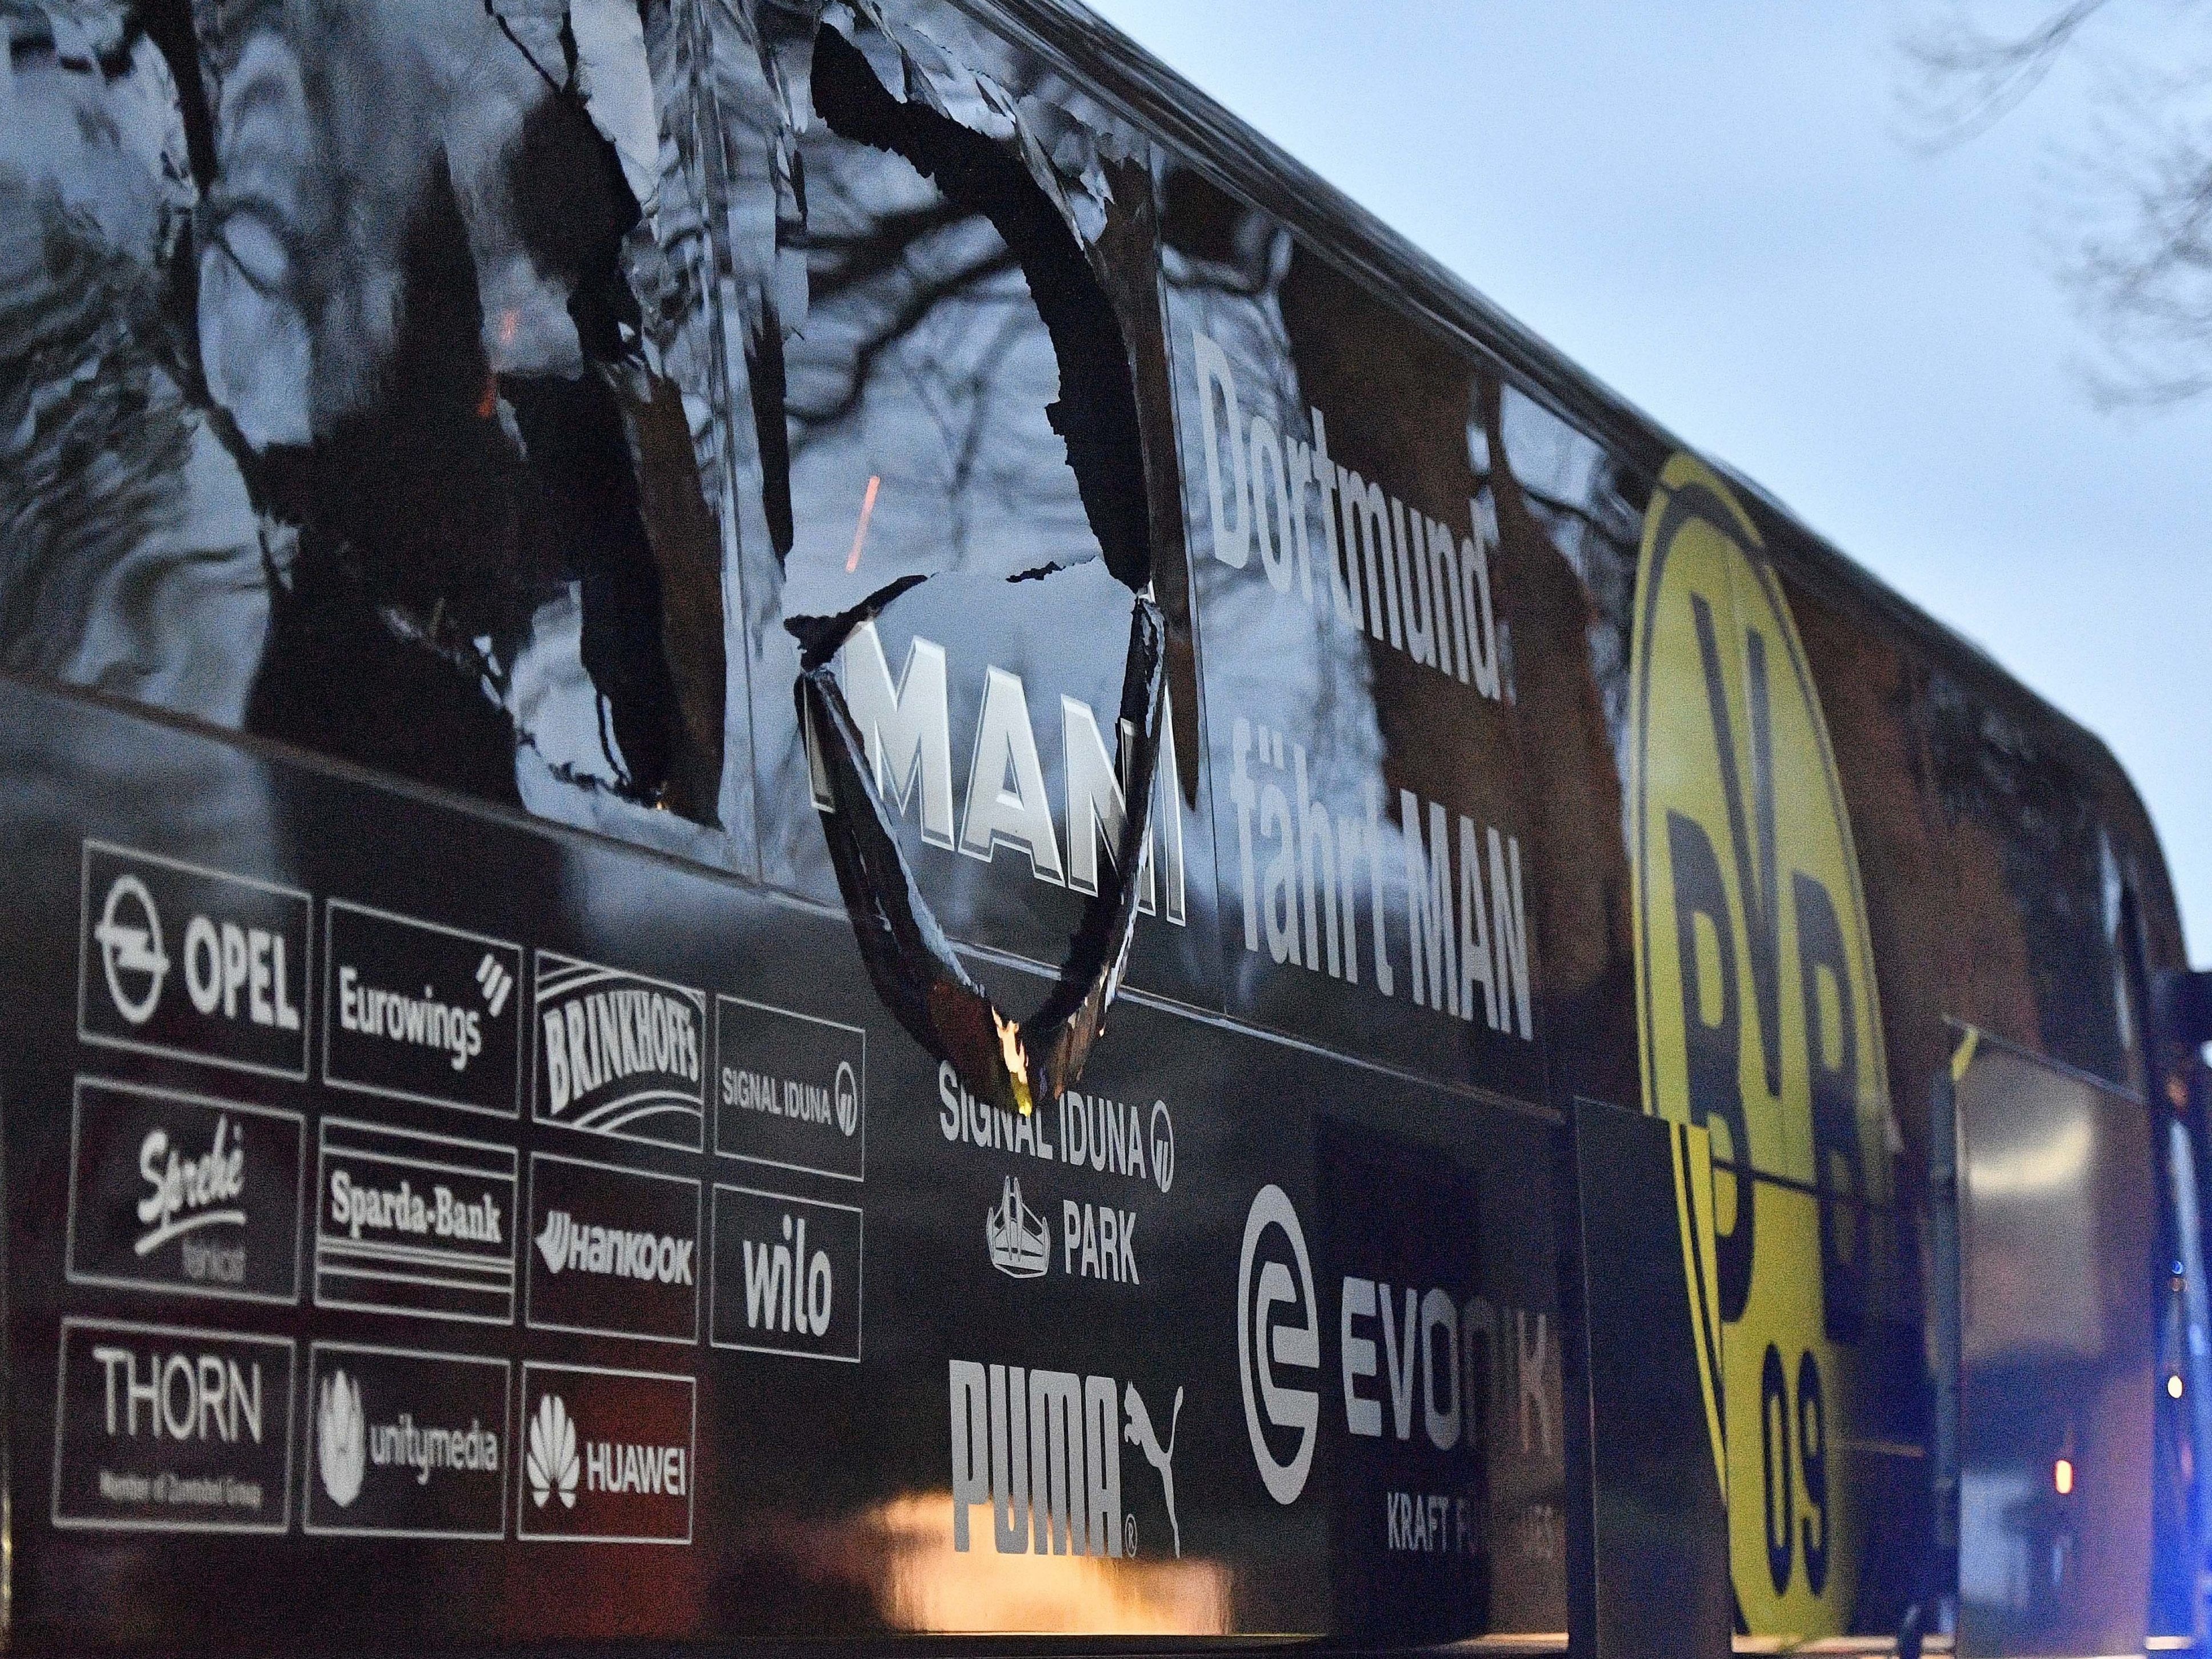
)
(360, 382)
(953, 439)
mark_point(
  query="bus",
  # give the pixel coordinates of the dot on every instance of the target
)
(820, 825)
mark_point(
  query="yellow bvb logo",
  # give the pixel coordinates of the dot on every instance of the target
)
(1756, 1006)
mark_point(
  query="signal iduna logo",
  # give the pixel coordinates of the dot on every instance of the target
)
(1759, 1017)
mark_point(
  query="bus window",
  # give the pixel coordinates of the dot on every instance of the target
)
(393, 438)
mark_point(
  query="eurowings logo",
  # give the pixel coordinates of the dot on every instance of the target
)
(341, 1438)
(551, 1464)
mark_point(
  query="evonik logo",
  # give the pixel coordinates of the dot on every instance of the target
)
(1265, 1341)
(1412, 1359)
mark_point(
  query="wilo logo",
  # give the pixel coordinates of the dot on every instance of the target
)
(786, 1288)
(551, 1465)
(341, 1438)
(131, 953)
(786, 1274)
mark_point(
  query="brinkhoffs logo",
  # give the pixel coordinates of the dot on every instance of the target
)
(619, 1055)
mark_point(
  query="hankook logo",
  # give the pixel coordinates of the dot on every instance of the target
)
(1266, 1340)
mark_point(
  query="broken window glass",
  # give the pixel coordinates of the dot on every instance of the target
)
(367, 389)
(955, 488)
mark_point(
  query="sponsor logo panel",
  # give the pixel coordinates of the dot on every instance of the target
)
(170, 1192)
(402, 1445)
(619, 1054)
(1442, 1406)
(420, 1011)
(790, 1090)
(606, 1455)
(1041, 1450)
(1129, 1139)
(787, 1275)
(414, 1223)
(613, 1252)
(164, 1430)
(175, 959)
(1085, 1239)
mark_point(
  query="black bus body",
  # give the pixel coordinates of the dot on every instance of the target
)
(820, 825)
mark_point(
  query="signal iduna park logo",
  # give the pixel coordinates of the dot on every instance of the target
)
(1759, 1017)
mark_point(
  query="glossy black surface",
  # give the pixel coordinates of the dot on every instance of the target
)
(824, 1499)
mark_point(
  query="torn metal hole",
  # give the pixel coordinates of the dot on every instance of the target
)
(909, 961)
(908, 958)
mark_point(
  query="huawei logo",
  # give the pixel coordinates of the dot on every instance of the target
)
(551, 1464)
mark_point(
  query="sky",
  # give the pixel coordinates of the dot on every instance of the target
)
(1720, 212)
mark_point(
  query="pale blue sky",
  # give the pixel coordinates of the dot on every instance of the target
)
(1712, 210)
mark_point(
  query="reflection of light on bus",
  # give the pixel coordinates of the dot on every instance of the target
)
(2062, 1475)
(2034, 1171)
(933, 1586)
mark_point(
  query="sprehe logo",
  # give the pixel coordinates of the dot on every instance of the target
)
(129, 940)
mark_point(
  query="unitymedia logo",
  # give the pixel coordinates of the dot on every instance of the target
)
(341, 1438)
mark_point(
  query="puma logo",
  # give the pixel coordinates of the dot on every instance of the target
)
(1140, 1434)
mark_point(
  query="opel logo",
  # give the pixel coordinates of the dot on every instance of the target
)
(1267, 1339)
(130, 954)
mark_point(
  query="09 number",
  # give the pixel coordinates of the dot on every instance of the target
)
(1793, 1444)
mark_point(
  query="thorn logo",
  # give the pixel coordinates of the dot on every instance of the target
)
(848, 1099)
(341, 1440)
(551, 1464)
(130, 952)
(1140, 1434)
(1265, 1341)
(495, 983)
